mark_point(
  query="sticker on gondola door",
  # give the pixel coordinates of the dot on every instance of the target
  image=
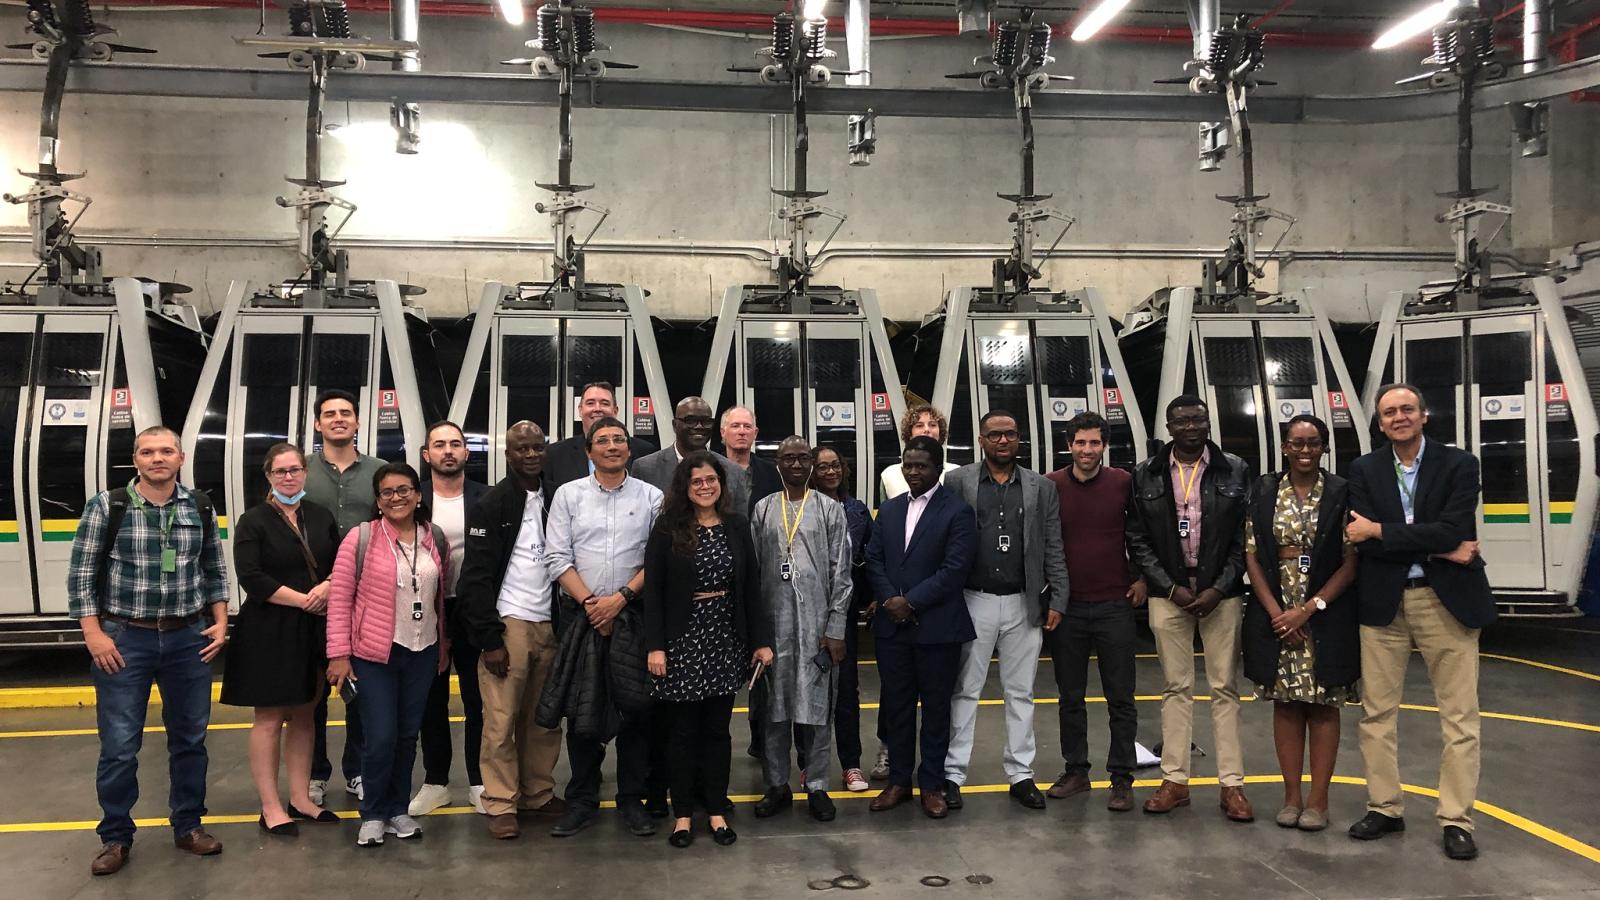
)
(1340, 407)
(1289, 407)
(1115, 414)
(1064, 408)
(66, 412)
(836, 415)
(1503, 407)
(1556, 406)
(388, 408)
(121, 408)
(644, 416)
(882, 415)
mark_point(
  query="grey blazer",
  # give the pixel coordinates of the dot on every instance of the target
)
(657, 468)
(1044, 562)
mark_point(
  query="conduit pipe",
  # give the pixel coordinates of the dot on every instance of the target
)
(404, 16)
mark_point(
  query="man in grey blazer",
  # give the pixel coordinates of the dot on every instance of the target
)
(1016, 591)
(692, 422)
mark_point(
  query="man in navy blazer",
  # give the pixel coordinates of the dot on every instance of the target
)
(1413, 518)
(918, 559)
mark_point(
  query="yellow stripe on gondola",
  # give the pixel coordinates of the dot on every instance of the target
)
(8, 531)
(1505, 513)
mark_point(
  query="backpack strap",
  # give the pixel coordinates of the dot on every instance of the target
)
(363, 538)
(117, 501)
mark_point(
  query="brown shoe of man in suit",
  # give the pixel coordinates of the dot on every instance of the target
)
(892, 796)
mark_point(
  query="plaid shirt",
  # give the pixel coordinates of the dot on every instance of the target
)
(136, 587)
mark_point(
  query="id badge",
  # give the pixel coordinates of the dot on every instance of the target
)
(416, 612)
(1304, 562)
(1005, 543)
(786, 571)
(169, 559)
(1183, 529)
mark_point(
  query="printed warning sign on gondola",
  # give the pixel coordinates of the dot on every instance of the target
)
(1064, 408)
(882, 415)
(65, 412)
(644, 416)
(1502, 407)
(1115, 414)
(1556, 406)
(1340, 408)
(121, 408)
(836, 415)
(388, 408)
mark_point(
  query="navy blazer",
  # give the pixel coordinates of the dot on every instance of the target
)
(930, 573)
(1446, 505)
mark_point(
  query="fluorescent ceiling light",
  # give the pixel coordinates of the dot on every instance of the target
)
(512, 11)
(1098, 19)
(1415, 24)
(813, 8)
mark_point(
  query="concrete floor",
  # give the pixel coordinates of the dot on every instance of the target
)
(1536, 827)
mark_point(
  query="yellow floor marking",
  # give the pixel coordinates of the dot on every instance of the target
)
(1539, 665)
(1500, 813)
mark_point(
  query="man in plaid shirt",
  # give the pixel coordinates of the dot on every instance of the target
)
(139, 603)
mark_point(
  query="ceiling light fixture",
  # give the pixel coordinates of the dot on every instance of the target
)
(1098, 18)
(511, 10)
(1415, 25)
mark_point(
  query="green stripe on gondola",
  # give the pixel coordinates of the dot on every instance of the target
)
(1557, 518)
(1514, 519)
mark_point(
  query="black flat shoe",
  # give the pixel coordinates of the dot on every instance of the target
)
(1375, 825)
(724, 835)
(282, 829)
(1458, 843)
(775, 799)
(952, 795)
(681, 839)
(822, 808)
(324, 817)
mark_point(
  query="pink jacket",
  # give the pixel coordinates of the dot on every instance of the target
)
(361, 613)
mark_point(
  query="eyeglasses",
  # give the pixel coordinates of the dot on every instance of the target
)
(1304, 444)
(705, 481)
(1188, 422)
(697, 421)
(397, 493)
(830, 467)
(794, 457)
(611, 441)
(1001, 435)
(290, 472)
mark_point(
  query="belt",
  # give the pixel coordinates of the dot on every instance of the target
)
(1290, 551)
(1414, 583)
(161, 623)
(708, 596)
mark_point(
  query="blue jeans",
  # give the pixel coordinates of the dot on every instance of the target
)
(170, 659)
(393, 696)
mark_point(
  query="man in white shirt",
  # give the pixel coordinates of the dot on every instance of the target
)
(506, 611)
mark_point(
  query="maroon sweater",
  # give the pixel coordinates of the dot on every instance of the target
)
(1092, 519)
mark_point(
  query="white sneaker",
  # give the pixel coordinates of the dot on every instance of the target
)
(429, 798)
(880, 766)
(318, 790)
(371, 833)
(403, 827)
(475, 797)
(353, 787)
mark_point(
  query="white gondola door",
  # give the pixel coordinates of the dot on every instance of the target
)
(1503, 431)
(16, 398)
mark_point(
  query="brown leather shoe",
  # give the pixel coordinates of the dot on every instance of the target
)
(934, 804)
(552, 808)
(504, 827)
(1121, 797)
(1068, 784)
(892, 796)
(199, 843)
(1167, 797)
(1235, 806)
(111, 859)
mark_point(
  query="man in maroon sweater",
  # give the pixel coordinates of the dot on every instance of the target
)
(1100, 619)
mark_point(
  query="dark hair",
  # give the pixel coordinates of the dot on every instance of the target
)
(604, 422)
(442, 423)
(929, 446)
(1183, 400)
(678, 511)
(1422, 402)
(993, 414)
(159, 429)
(1313, 421)
(845, 472)
(917, 412)
(277, 450)
(1085, 421)
(606, 386)
(400, 468)
(336, 394)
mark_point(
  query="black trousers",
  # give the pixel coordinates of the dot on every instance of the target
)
(1108, 631)
(699, 753)
(350, 760)
(913, 673)
(437, 753)
(847, 706)
(635, 778)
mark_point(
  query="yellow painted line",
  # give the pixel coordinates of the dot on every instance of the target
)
(1540, 665)
(1515, 820)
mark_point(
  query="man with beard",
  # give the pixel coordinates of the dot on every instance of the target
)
(450, 495)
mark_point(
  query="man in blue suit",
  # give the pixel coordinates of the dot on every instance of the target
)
(918, 559)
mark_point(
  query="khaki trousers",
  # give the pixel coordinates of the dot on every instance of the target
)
(1450, 652)
(518, 757)
(1219, 635)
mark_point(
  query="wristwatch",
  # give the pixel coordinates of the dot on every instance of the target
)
(1319, 603)
(627, 593)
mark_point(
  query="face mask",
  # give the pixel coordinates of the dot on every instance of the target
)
(286, 499)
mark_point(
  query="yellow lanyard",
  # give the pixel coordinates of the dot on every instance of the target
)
(789, 531)
(1188, 484)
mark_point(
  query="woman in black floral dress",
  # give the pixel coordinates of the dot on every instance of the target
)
(701, 624)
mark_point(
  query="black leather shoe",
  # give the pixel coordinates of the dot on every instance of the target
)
(576, 819)
(636, 819)
(1458, 843)
(822, 808)
(1375, 825)
(952, 795)
(681, 839)
(1028, 794)
(774, 799)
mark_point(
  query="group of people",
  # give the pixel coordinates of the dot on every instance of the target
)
(610, 594)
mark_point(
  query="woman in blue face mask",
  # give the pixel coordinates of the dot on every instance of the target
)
(283, 552)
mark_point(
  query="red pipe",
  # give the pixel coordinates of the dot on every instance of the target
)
(1272, 13)
(1566, 47)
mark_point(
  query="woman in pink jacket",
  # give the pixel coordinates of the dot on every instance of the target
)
(386, 641)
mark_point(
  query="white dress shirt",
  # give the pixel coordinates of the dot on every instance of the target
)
(914, 512)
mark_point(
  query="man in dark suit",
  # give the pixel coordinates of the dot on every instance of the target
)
(918, 558)
(568, 460)
(692, 422)
(1413, 519)
(738, 432)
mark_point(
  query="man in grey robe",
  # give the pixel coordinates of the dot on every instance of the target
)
(803, 545)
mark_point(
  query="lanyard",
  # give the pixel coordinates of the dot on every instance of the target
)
(1303, 508)
(1000, 492)
(1400, 476)
(411, 559)
(165, 515)
(789, 531)
(1188, 484)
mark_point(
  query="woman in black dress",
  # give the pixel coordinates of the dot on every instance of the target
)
(283, 551)
(701, 623)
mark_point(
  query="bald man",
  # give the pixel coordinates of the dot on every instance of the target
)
(692, 423)
(506, 596)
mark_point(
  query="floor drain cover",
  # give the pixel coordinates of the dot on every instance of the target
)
(935, 881)
(850, 882)
(979, 878)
